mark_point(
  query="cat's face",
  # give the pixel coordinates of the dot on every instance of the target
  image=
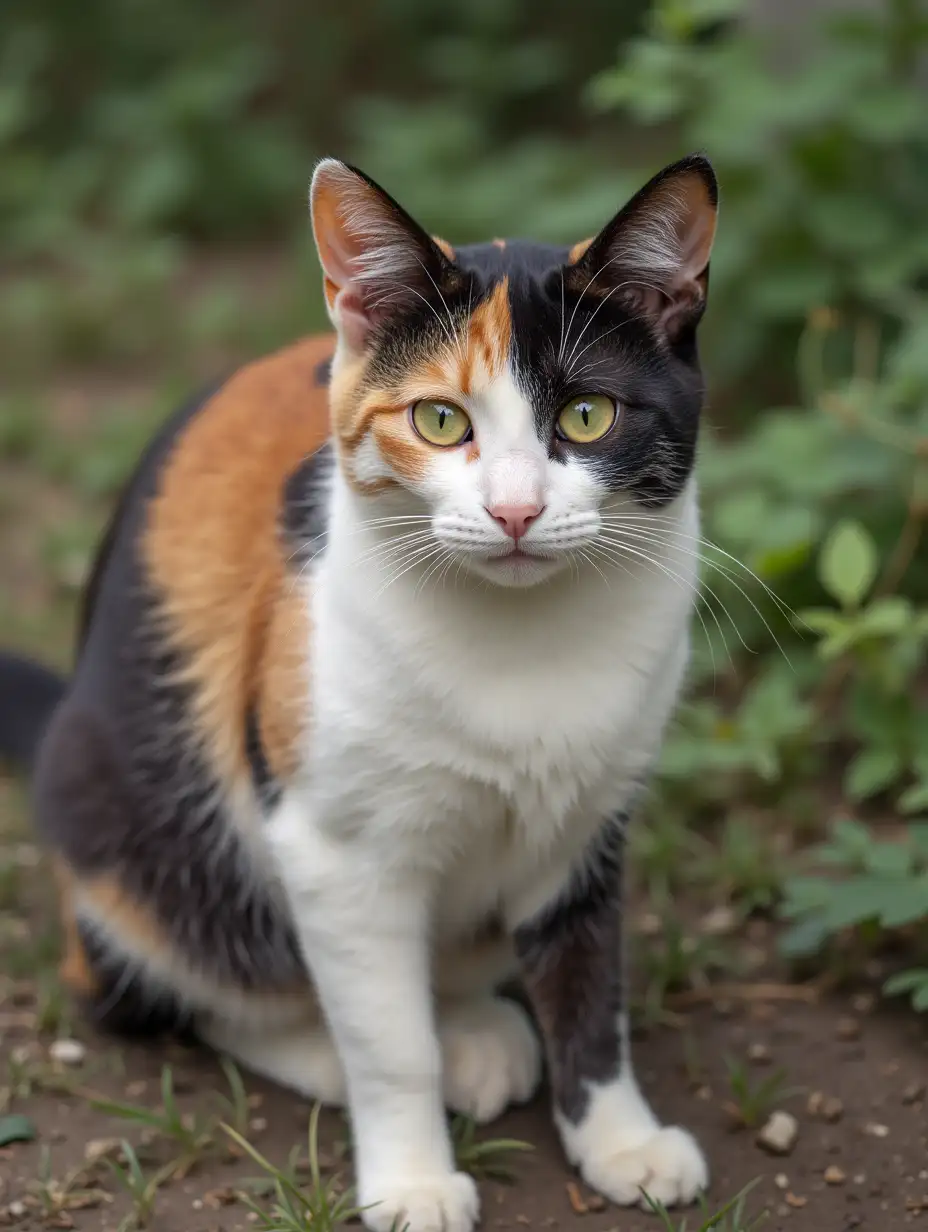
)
(515, 394)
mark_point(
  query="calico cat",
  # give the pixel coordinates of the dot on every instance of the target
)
(373, 664)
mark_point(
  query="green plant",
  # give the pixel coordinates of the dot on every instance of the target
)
(488, 1157)
(731, 1217)
(236, 1102)
(675, 960)
(745, 863)
(193, 1134)
(869, 889)
(71, 1192)
(816, 338)
(142, 1189)
(320, 1206)
(752, 1102)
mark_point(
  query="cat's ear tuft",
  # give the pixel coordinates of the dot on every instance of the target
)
(375, 258)
(655, 252)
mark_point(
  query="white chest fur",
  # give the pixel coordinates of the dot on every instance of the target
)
(482, 735)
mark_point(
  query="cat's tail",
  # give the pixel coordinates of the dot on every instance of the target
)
(28, 695)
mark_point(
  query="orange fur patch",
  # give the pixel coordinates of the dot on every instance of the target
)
(578, 252)
(125, 916)
(281, 707)
(444, 246)
(74, 970)
(489, 337)
(465, 366)
(213, 553)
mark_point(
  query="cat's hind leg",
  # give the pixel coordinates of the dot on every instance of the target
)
(300, 1056)
(491, 1056)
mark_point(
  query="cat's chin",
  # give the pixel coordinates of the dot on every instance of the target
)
(518, 570)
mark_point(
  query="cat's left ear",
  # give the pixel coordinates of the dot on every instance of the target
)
(375, 258)
(655, 253)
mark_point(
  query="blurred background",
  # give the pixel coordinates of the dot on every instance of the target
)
(154, 159)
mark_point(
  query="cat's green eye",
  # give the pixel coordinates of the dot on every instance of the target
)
(586, 419)
(440, 423)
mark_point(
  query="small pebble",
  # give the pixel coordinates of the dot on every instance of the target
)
(719, 922)
(68, 1052)
(913, 1093)
(847, 1029)
(136, 1089)
(876, 1130)
(795, 1201)
(863, 1002)
(834, 1175)
(650, 924)
(781, 1180)
(759, 1054)
(779, 1134)
(17, 1210)
(197, 1204)
(833, 1109)
(258, 1124)
(816, 1103)
(102, 1148)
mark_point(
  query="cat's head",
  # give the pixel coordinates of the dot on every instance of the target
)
(515, 393)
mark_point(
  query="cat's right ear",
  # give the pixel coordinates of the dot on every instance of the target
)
(375, 258)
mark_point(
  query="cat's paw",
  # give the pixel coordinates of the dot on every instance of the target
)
(668, 1167)
(491, 1057)
(445, 1203)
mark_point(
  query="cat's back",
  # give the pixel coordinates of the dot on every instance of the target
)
(188, 619)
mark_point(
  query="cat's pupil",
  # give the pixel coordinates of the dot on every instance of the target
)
(442, 416)
(585, 413)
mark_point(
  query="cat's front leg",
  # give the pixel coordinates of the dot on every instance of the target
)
(364, 931)
(571, 955)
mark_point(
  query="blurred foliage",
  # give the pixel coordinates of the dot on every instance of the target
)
(137, 137)
(823, 494)
(130, 129)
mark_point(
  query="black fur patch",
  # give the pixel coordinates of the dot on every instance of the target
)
(571, 957)
(266, 785)
(126, 1002)
(304, 509)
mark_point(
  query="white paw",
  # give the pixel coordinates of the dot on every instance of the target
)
(668, 1166)
(446, 1203)
(491, 1057)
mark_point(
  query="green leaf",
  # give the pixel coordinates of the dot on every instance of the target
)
(890, 859)
(914, 799)
(806, 937)
(872, 771)
(887, 616)
(16, 1129)
(848, 563)
(914, 982)
(905, 981)
(821, 620)
(907, 902)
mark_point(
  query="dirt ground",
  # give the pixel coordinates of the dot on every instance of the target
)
(858, 1163)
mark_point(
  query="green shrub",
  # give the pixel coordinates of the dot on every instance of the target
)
(818, 340)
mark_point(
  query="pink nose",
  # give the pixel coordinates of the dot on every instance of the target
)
(514, 519)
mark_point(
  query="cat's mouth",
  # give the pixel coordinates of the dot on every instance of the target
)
(522, 560)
